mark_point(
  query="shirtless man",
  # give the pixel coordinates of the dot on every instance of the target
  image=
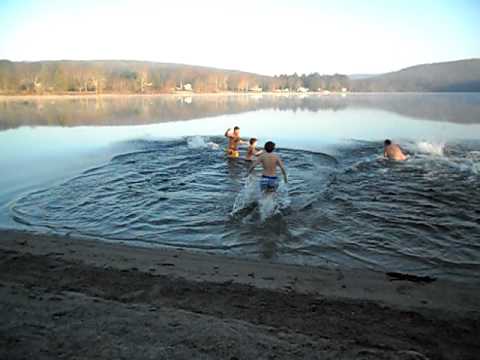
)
(233, 142)
(393, 151)
(269, 161)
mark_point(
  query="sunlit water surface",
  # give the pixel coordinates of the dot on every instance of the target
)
(170, 184)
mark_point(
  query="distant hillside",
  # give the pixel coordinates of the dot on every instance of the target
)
(361, 76)
(454, 76)
(127, 77)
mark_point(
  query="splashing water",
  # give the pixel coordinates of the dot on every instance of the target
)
(269, 204)
(248, 196)
(198, 142)
(474, 157)
(436, 149)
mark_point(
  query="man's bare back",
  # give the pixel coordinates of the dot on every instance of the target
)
(269, 162)
(393, 151)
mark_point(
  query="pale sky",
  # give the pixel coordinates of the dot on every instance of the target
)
(263, 36)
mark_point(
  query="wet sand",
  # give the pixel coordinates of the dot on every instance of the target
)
(82, 299)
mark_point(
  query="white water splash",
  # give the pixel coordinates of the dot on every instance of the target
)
(474, 157)
(249, 195)
(269, 204)
(198, 142)
(436, 149)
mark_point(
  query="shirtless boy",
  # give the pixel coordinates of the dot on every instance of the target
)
(393, 151)
(269, 161)
(252, 150)
(233, 142)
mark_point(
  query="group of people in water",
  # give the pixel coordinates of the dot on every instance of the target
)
(265, 157)
(270, 161)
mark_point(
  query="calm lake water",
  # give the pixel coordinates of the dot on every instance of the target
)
(152, 171)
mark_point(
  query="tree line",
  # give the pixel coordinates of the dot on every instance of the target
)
(136, 77)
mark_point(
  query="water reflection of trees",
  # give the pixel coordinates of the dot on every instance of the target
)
(131, 110)
(451, 107)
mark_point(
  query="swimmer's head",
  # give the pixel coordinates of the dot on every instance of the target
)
(269, 146)
(236, 130)
(387, 142)
(253, 141)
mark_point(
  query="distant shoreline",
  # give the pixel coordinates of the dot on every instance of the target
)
(225, 93)
(180, 94)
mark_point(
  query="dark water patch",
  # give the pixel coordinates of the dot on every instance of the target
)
(354, 209)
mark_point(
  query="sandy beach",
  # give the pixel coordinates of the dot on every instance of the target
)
(82, 299)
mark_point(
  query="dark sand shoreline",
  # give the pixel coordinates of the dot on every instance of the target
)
(66, 298)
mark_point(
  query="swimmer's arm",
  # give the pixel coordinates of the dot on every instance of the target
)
(227, 133)
(259, 152)
(282, 168)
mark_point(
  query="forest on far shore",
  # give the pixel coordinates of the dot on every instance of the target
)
(137, 77)
(141, 77)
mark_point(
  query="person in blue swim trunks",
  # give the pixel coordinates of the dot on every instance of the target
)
(270, 162)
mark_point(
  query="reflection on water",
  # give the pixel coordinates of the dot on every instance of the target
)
(134, 110)
(168, 182)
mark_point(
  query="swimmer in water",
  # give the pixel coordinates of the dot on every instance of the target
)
(233, 141)
(393, 151)
(252, 150)
(269, 161)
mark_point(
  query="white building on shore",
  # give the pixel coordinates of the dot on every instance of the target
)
(256, 89)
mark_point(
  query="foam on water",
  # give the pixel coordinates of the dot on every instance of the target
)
(430, 148)
(199, 142)
(474, 158)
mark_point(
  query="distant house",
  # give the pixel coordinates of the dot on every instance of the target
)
(184, 87)
(302, 89)
(256, 89)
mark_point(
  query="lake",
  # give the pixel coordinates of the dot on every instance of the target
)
(152, 171)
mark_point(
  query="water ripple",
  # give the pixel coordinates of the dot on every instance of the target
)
(354, 209)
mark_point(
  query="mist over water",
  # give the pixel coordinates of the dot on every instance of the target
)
(345, 205)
